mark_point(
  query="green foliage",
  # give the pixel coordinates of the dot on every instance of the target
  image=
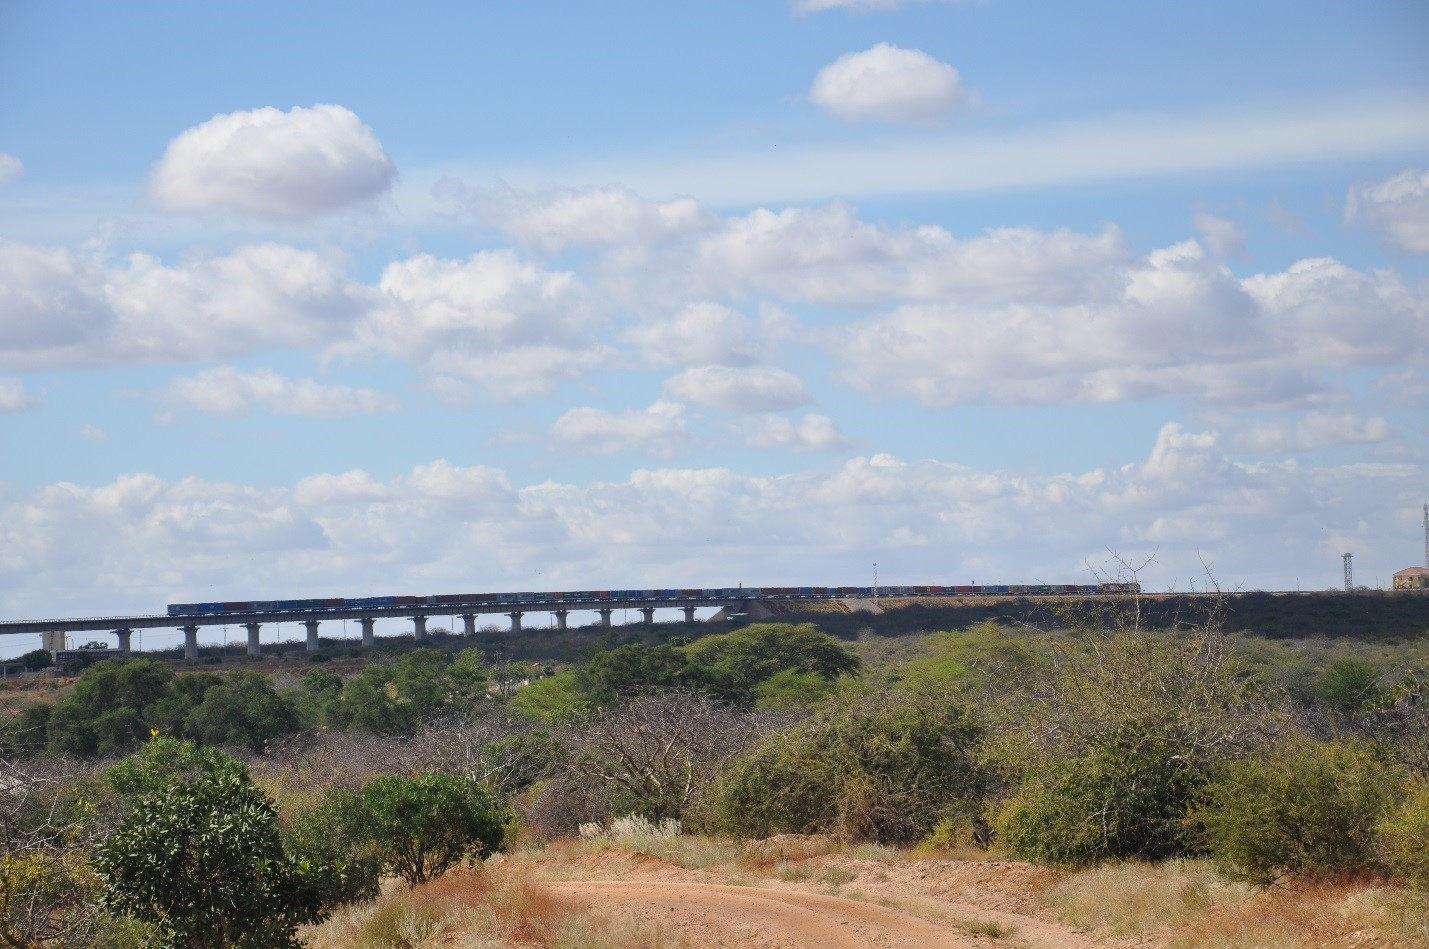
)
(425, 824)
(733, 666)
(116, 703)
(37, 659)
(1404, 837)
(1350, 685)
(1308, 809)
(634, 668)
(395, 699)
(884, 768)
(1114, 800)
(333, 838)
(201, 858)
(552, 699)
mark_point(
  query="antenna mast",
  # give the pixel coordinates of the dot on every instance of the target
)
(1426, 533)
(1349, 571)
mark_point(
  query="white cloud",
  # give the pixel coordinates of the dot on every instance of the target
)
(1316, 429)
(512, 327)
(14, 398)
(1398, 207)
(93, 434)
(1174, 323)
(140, 541)
(10, 167)
(1223, 237)
(740, 389)
(708, 333)
(659, 428)
(227, 390)
(890, 84)
(64, 309)
(273, 164)
(549, 220)
(813, 432)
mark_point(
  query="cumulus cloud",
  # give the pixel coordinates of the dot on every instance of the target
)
(1315, 429)
(549, 220)
(890, 84)
(708, 333)
(1173, 323)
(227, 390)
(10, 167)
(61, 309)
(811, 433)
(512, 327)
(273, 164)
(14, 398)
(1222, 237)
(140, 541)
(659, 428)
(1398, 207)
(740, 389)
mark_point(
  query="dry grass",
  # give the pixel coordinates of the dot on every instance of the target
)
(496, 906)
(1185, 905)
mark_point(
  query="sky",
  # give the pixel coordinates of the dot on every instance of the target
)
(362, 299)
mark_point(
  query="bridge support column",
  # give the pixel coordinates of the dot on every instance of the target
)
(368, 637)
(312, 627)
(605, 617)
(649, 613)
(124, 637)
(560, 618)
(515, 621)
(469, 624)
(253, 646)
(689, 613)
(190, 641)
(419, 627)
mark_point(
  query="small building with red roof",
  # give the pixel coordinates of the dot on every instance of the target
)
(1412, 578)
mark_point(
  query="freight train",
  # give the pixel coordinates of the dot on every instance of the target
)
(594, 599)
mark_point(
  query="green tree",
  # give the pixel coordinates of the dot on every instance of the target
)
(105, 712)
(425, 824)
(733, 666)
(1350, 685)
(37, 659)
(202, 859)
(241, 709)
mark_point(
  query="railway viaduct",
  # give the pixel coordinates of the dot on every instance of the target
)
(123, 626)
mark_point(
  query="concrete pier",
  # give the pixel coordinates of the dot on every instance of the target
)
(468, 624)
(190, 641)
(312, 627)
(515, 621)
(649, 613)
(419, 627)
(560, 618)
(254, 648)
(689, 613)
(605, 617)
(125, 635)
(368, 637)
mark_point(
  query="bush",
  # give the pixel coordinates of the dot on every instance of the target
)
(422, 826)
(202, 861)
(1308, 809)
(1112, 801)
(1404, 837)
(885, 768)
(333, 837)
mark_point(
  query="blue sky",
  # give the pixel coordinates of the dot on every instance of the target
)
(356, 299)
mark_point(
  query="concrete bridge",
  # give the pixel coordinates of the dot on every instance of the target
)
(252, 621)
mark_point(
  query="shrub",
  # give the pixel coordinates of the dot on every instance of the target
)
(1309, 809)
(885, 769)
(1115, 800)
(333, 837)
(1404, 837)
(202, 861)
(425, 824)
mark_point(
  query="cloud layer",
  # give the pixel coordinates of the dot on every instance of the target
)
(1397, 206)
(273, 164)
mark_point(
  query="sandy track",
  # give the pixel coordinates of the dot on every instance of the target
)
(711, 914)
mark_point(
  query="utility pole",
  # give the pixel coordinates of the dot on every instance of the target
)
(1426, 533)
(1349, 571)
(875, 583)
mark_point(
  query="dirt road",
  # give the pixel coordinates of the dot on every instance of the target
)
(709, 914)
